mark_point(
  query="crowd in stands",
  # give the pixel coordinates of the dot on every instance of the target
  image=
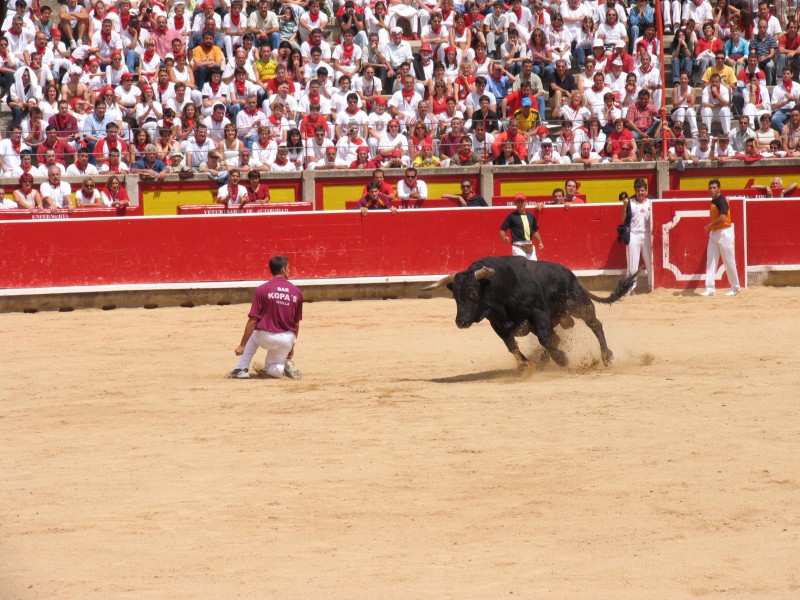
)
(151, 87)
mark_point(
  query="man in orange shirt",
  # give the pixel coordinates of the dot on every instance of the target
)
(205, 57)
(512, 134)
(721, 242)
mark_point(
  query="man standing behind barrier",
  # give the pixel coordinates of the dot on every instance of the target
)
(273, 324)
(721, 242)
(524, 229)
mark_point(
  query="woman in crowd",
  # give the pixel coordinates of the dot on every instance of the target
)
(294, 144)
(683, 102)
(230, 145)
(137, 146)
(148, 112)
(26, 196)
(114, 194)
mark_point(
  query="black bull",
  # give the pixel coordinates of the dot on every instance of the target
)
(519, 296)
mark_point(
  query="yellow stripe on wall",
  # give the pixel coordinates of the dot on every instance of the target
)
(595, 190)
(734, 182)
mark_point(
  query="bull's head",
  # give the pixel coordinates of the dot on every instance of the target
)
(467, 288)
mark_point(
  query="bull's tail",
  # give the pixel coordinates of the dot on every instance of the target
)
(623, 286)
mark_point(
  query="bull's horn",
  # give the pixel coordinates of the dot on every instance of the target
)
(440, 283)
(483, 272)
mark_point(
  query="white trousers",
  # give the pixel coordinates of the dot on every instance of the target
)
(686, 114)
(722, 114)
(518, 251)
(277, 345)
(721, 243)
(640, 247)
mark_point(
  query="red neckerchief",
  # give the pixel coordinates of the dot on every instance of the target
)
(17, 147)
(347, 53)
(436, 31)
(178, 21)
(313, 98)
(648, 70)
(788, 87)
(459, 33)
(161, 90)
(408, 97)
(235, 23)
(113, 170)
(84, 195)
(240, 87)
(124, 18)
(353, 112)
(464, 157)
(41, 48)
(518, 13)
(231, 196)
(189, 124)
(446, 15)
(213, 118)
(251, 112)
(540, 19)
(596, 89)
(106, 38)
(141, 147)
(758, 95)
(279, 163)
(148, 55)
(272, 120)
(214, 87)
(485, 58)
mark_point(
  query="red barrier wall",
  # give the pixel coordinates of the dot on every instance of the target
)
(321, 245)
(331, 244)
(773, 232)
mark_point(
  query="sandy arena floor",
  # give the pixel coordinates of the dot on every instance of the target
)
(410, 462)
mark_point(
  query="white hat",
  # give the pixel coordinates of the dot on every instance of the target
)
(597, 44)
(75, 70)
(617, 62)
(397, 30)
(619, 44)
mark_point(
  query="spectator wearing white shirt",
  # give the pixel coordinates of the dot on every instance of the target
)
(55, 193)
(282, 162)
(410, 189)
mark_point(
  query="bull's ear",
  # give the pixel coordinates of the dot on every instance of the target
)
(483, 272)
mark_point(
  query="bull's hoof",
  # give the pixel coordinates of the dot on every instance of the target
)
(544, 359)
(608, 357)
(559, 357)
(567, 322)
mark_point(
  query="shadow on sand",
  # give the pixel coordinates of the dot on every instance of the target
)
(482, 376)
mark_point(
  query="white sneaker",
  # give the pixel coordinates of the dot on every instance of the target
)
(238, 374)
(733, 292)
(291, 371)
(708, 293)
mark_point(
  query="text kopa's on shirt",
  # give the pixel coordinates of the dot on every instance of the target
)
(282, 296)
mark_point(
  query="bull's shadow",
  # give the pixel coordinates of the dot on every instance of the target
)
(496, 374)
